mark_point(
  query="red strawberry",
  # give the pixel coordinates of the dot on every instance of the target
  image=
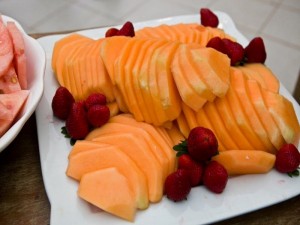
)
(202, 144)
(287, 159)
(111, 32)
(255, 51)
(234, 50)
(98, 115)
(127, 30)
(215, 177)
(177, 185)
(95, 98)
(217, 43)
(76, 124)
(194, 168)
(62, 103)
(208, 18)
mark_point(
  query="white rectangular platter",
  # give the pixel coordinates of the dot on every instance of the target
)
(242, 194)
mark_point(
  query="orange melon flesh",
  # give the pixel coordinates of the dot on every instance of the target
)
(238, 84)
(269, 77)
(183, 125)
(252, 74)
(187, 93)
(110, 51)
(81, 146)
(113, 108)
(110, 156)
(284, 115)
(153, 145)
(175, 135)
(239, 162)
(273, 131)
(190, 116)
(239, 115)
(109, 190)
(144, 158)
(158, 142)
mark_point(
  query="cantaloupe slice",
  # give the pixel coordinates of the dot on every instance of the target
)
(175, 135)
(109, 190)
(190, 116)
(273, 131)
(284, 115)
(238, 84)
(110, 50)
(81, 146)
(144, 158)
(183, 125)
(110, 156)
(252, 74)
(153, 145)
(239, 162)
(269, 77)
(187, 93)
(239, 114)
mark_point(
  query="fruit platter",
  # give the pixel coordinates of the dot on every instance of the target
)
(126, 109)
(22, 74)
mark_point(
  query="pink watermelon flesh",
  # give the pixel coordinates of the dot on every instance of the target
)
(6, 49)
(19, 53)
(9, 82)
(10, 106)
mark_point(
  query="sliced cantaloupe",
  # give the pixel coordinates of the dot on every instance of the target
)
(182, 77)
(144, 78)
(109, 190)
(284, 115)
(168, 95)
(238, 84)
(269, 77)
(153, 144)
(175, 135)
(110, 156)
(113, 108)
(144, 158)
(159, 141)
(190, 116)
(252, 74)
(239, 162)
(81, 146)
(213, 68)
(257, 100)
(239, 114)
(226, 114)
(110, 51)
(183, 125)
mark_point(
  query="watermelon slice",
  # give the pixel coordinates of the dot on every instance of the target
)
(10, 107)
(9, 82)
(19, 53)
(6, 49)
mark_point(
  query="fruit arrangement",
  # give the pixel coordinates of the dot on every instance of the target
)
(132, 99)
(13, 77)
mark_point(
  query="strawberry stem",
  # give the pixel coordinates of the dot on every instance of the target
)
(181, 148)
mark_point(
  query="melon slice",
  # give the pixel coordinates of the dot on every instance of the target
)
(10, 107)
(9, 82)
(110, 156)
(183, 125)
(109, 190)
(19, 53)
(6, 50)
(239, 162)
(175, 135)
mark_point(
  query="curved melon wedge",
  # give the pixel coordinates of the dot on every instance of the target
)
(109, 190)
(239, 162)
(110, 156)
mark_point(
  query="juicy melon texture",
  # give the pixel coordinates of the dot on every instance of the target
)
(109, 190)
(104, 156)
(239, 162)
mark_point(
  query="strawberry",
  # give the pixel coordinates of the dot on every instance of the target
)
(62, 102)
(95, 98)
(288, 159)
(98, 115)
(234, 50)
(127, 30)
(111, 32)
(208, 18)
(215, 177)
(202, 144)
(177, 185)
(77, 124)
(194, 168)
(255, 51)
(217, 43)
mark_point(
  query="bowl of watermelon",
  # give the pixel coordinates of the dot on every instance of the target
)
(22, 67)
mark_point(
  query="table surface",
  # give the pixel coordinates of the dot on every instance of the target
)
(23, 199)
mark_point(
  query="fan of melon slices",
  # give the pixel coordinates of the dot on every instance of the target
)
(13, 77)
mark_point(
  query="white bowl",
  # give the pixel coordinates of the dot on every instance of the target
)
(36, 62)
